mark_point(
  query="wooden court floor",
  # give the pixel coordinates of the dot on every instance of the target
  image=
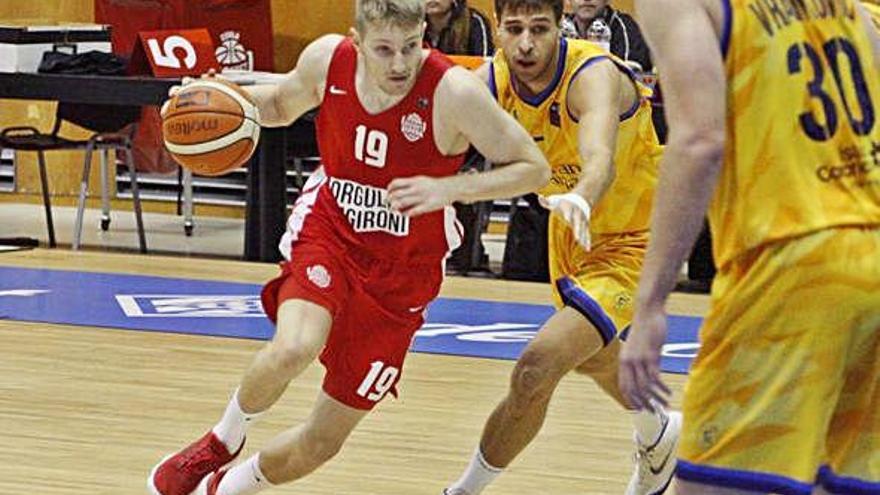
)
(86, 411)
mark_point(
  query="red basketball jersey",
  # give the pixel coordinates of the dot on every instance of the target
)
(361, 154)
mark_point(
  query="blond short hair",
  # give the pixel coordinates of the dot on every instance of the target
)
(400, 13)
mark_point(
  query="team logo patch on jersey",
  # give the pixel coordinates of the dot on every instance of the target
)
(319, 276)
(413, 127)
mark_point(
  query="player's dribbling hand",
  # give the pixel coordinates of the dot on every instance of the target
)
(212, 76)
(640, 380)
(576, 211)
(417, 195)
(186, 81)
(173, 90)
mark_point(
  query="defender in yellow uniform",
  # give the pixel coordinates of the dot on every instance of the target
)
(592, 119)
(774, 125)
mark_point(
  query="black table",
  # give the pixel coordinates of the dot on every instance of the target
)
(266, 196)
(101, 90)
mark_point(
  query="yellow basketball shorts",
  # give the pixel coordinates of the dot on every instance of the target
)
(600, 283)
(784, 393)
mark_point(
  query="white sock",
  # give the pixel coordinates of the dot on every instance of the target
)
(244, 479)
(478, 475)
(233, 425)
(649, 425)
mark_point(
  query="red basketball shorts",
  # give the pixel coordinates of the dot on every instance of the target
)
(377, 306)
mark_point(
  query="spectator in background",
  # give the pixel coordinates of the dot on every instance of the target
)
(456, 29)
(627, 42)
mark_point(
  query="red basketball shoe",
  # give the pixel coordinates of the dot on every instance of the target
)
(180, 473)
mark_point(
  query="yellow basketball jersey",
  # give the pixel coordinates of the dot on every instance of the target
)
(626, 205)
(803, 143)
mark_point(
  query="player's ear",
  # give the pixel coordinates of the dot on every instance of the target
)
(355, 36)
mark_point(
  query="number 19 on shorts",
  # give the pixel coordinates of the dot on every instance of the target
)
(378, 381)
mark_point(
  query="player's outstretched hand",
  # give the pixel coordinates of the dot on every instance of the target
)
(576, 211)
(417, 195)
(640, 380)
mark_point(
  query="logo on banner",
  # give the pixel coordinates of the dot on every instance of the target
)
(189, 306)
(232, 54)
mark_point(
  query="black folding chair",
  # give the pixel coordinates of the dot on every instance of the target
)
(113, 127)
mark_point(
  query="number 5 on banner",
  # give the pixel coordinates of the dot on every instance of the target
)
(179, 52)
(164, 55)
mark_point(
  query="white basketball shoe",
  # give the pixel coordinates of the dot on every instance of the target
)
(655, 464)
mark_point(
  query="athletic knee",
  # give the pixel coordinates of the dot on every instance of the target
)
(291, 355)
(534, 377)
(322, 445)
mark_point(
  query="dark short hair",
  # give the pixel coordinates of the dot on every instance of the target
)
(528, 5)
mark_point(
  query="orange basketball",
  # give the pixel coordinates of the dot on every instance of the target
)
(210, 127)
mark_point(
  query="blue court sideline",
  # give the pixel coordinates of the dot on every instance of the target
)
(461, 327)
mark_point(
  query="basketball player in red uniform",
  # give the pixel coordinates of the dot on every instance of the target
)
(366, 239)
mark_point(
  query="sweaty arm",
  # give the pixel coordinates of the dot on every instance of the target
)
(300, 90)
(472, 113)
(688, 54)
(594, 98)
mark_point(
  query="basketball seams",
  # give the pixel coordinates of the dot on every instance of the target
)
(249, 110)
(247, 130)
(219, 102)
(203, 110)
(170, 120)
(243, 151)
